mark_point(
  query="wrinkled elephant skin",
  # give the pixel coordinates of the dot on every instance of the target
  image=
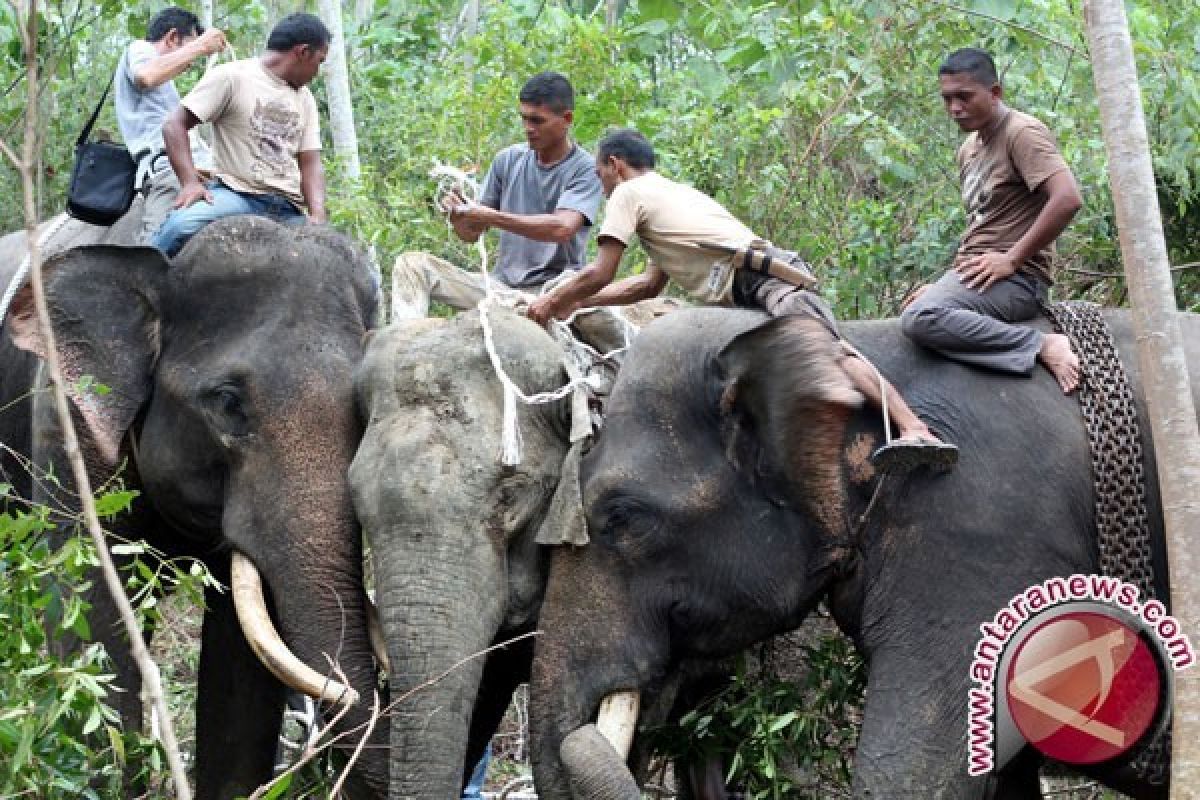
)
(723, 498)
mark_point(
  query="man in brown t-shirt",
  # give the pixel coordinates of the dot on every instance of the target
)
(1019, 195)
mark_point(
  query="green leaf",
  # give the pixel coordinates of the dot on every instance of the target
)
(782, 722)
(113, 503)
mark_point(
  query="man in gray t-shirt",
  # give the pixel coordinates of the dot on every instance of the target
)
(543, 196)
(144, 94)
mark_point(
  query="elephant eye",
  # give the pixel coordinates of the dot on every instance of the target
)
(230, 415)
(627, 518)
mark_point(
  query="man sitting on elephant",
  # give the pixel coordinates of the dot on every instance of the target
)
(265, 134)
(1020, 195)
(542, 195)
(144, 94)
(682, 229)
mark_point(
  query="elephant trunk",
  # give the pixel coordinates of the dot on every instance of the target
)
(594, 769)
(323, 618)
(308, 549)
(441, 597)
(585, 664)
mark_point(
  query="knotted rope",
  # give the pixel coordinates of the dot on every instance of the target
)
(23, 271)
(450, 178)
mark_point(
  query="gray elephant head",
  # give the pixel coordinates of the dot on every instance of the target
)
(231, 400)
(731, 489)
(452, 530)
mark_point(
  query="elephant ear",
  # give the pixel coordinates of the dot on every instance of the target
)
(784, 402)
(103, 303)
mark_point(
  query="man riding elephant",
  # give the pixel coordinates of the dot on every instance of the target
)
(1020, 195)
(266, 136)
(542, 196)
(686, 233)
(145, 94)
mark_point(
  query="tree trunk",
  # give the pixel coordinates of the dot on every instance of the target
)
(612, 10)
(470, 29)
(1160, 348)
(363, 9)
(341, 112)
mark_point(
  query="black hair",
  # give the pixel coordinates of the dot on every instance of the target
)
(298, 28)
(173, 19)
(549, 89)
(628, 145)
(974, 62)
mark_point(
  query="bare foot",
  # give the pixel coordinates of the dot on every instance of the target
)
(1058, 357)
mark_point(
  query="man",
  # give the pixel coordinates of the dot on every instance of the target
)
(145, 94)
(683, 231)
(1020, 195)
(265, 135)
(542, 195)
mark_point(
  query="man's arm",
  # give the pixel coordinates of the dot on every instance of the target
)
(1062, 202)
(179, 153)
(159, 70)
(630, 290)
(558, 226)
(312, 184)
(592, 286)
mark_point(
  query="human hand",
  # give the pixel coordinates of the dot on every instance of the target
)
(192, 192)
(543, 309)
(211, 41)
(982, 271)
(451, 201)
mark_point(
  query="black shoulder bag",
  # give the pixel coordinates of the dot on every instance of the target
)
(102, 180)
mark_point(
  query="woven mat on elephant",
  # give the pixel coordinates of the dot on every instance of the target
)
(1114, 436)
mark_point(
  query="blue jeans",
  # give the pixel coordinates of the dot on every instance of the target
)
(476, 785)
(184, 223)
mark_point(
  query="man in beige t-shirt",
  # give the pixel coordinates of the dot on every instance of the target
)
(688, 236)
(1019, 195)
(266, 137)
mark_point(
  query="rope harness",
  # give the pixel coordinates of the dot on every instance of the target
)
(1114, 438)
(23, 271)
(583, 383)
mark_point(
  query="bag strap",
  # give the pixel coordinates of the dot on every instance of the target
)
(87, 129)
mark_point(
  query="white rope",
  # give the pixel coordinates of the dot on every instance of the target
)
(23, 271)
(451, 178)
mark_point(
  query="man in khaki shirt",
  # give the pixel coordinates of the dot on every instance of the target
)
(266, 137)
(1020, 195)
(685, 234)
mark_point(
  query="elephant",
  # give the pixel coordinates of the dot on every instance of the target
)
(454, 533)
(731, 490)
(230, 405)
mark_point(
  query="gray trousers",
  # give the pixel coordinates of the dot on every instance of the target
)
(965, 325)
(160, 190)
(418, 278)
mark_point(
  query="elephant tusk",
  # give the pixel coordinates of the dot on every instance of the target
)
(266, 643)
(617, 720)
(375, 634)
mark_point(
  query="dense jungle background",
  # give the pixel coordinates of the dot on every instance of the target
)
(817, 122)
